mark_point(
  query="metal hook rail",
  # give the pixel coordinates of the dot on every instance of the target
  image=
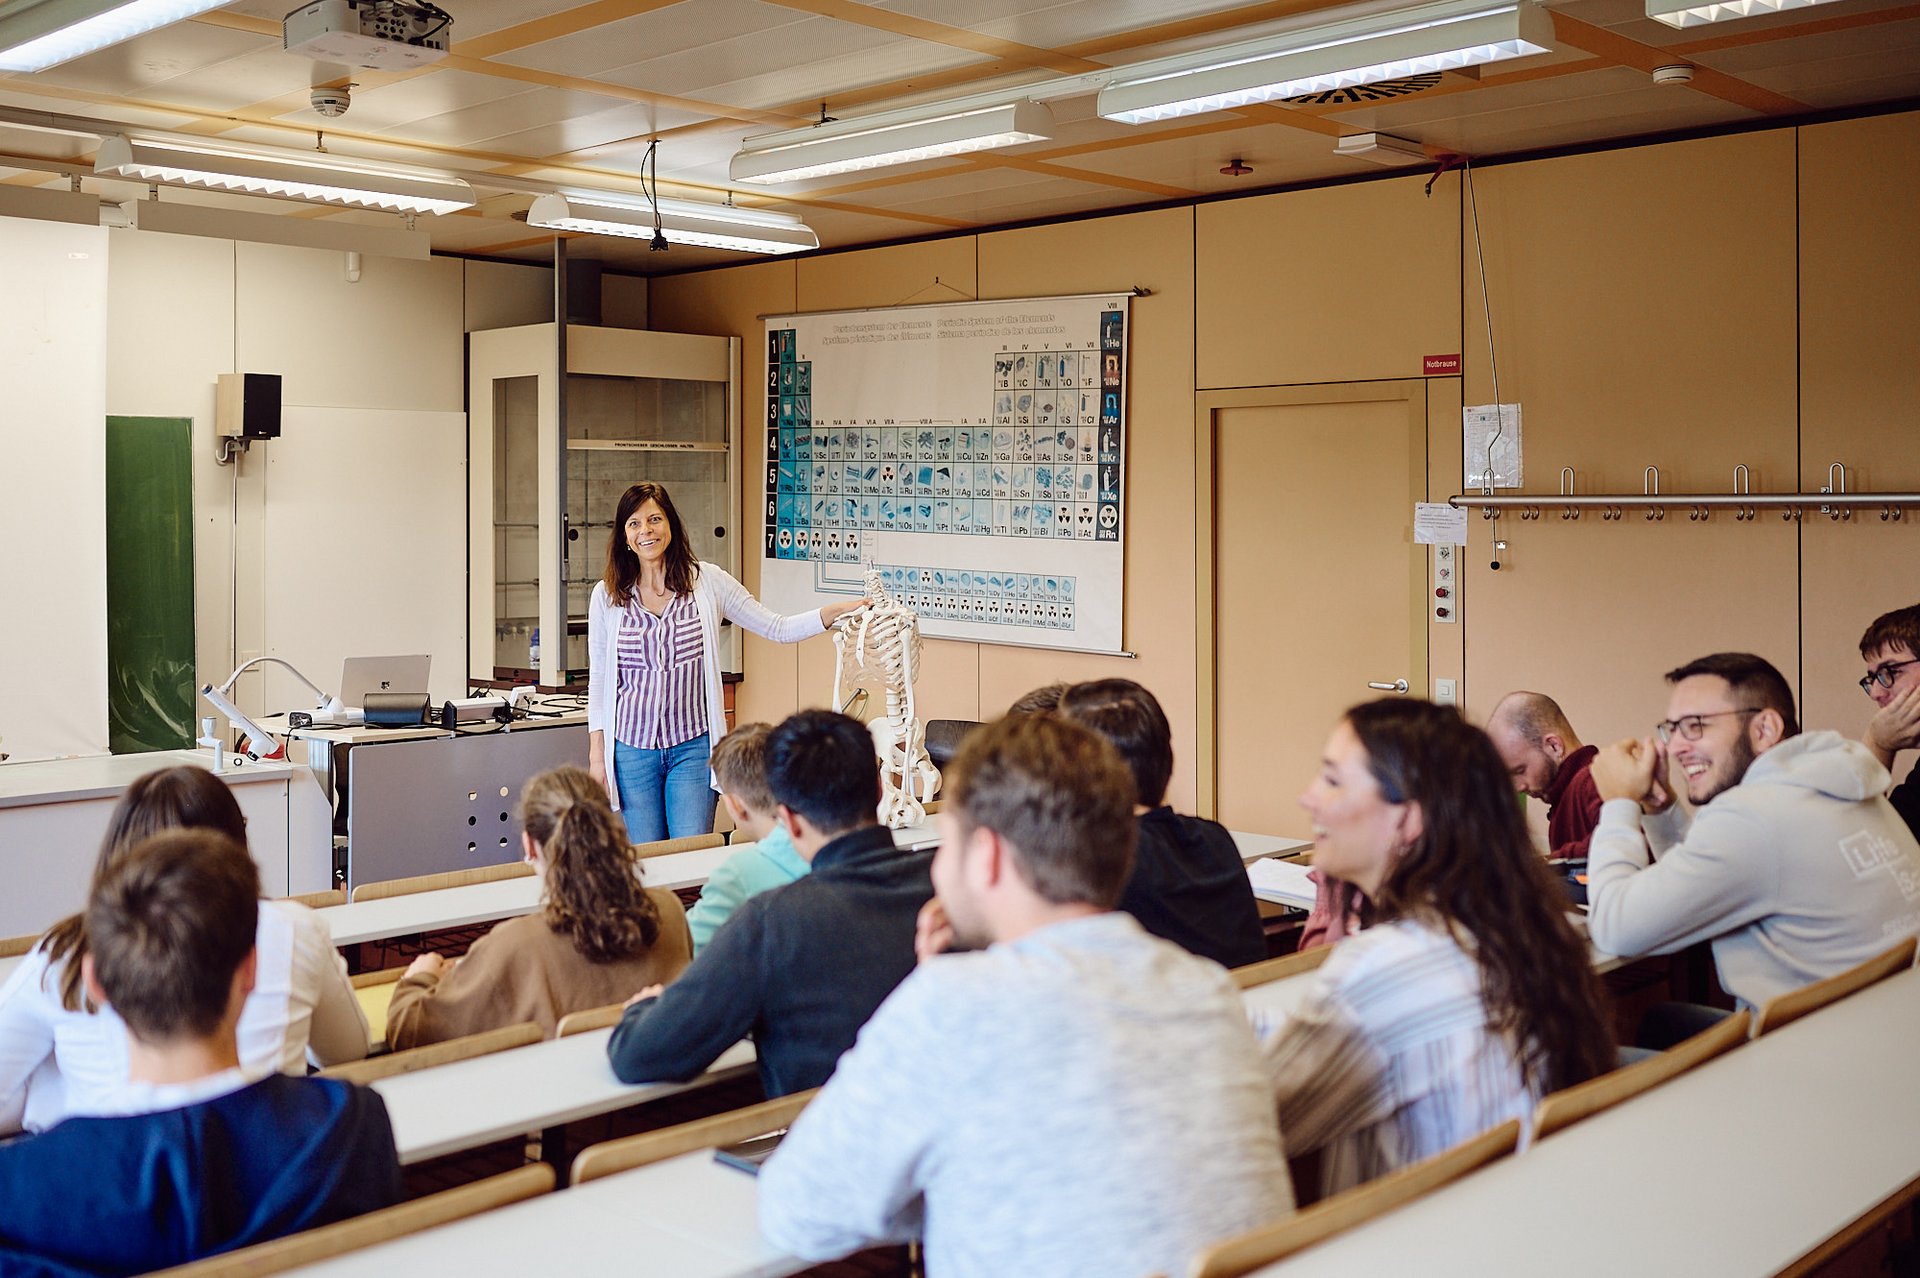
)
(1836, 503)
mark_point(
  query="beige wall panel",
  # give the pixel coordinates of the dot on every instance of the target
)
(507, 295)
(1154, 251)
(1643, 306)
(1860, 303)
(391, 340)
(623, 301)
(168, 368)
(1852, 572)
(889, 276)
(729, 303)
(1346, 283)
(1593, 614)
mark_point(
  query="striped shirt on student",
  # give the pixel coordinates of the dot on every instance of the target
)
(1390, 1058)
(662, 695)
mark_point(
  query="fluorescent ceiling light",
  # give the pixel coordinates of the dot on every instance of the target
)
(1380, 148)
(894, 137)
(1684, 15)
(1435, 37)
(290, 174)
(681, 221)
(34, 36)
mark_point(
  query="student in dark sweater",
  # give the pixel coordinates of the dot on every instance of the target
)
(802, 967)
(1189, 883)
(207, 1158)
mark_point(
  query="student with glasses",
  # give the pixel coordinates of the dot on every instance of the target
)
(1890, 646)
(1792, 864)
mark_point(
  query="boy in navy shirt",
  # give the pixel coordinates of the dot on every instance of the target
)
(206, 1158)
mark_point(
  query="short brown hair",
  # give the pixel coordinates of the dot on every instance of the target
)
(1749, 678)
(169, 923)
(1127, 715)
(1042, 700)
(740, 762)
(1901, 628)
(1060, 795)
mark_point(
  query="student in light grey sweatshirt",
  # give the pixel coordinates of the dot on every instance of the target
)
(1793, 864)
(1075, 1098)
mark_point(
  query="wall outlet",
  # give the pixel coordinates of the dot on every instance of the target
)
(1443, 692)
(1445, 601)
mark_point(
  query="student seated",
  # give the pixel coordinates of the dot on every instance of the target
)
(1073, 1097)
(1469, 996)
(206, 1155)
(69, 1057)
(1549, 765)
(1189, 883)
(801, 969)
(740, 766)
(598, 936)
(1891, 649)
(1793, 864)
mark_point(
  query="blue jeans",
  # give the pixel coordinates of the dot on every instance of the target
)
(665, 794)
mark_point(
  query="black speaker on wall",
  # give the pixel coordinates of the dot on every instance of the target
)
(247, 405)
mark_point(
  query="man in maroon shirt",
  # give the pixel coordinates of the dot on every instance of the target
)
(1548, 763)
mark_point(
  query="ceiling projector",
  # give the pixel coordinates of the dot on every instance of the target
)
(386, 35)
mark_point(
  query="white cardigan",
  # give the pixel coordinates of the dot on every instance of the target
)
(715, 595)
(76, 1062)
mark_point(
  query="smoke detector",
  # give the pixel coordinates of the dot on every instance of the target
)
(1678, 73)
(332, 103)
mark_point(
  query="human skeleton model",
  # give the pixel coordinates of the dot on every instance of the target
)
(878, 650)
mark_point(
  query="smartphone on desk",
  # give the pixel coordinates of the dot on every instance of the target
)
(749, 1154)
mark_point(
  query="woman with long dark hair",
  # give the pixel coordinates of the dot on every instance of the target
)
(598, 938)
(71, 1057)
(1469, 996)
(654, 705)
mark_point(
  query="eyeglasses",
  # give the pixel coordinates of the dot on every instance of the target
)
(1884, 675)
(1691, 726)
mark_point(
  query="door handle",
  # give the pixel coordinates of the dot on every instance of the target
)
(1398, 685)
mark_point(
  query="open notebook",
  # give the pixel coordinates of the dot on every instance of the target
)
(1285, 882)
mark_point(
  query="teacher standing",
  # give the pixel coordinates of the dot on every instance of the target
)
(654, 706)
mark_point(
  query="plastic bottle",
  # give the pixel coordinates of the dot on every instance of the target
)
(533, 649)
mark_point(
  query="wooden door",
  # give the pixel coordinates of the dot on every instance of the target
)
(1317, 585)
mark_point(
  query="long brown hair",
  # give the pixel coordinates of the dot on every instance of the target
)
(1473, 870)
(594, 894)
(623, 566)
(171, 799)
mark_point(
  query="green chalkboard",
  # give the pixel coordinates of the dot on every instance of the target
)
(150, 671)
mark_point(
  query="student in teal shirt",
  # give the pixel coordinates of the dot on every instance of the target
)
(770, 861)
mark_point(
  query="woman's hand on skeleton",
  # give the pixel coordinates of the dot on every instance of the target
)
(832, 612)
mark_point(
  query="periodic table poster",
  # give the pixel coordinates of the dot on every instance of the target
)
(973, 452)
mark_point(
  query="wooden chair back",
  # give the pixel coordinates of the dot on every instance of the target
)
(14, 946)
(592, 1019)
(385, 976)
(417, 1058)
(328, 1241)
(1571, 1104)
(629, 1152)
(1789, 1008)
(1355, 1206)
(932, 806)
(446, 879)
(1277, 969)
(689, 843)
(319, 900)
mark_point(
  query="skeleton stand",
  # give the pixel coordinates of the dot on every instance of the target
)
(878, 648)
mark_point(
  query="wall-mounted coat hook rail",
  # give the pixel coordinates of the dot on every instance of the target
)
(1612, 505)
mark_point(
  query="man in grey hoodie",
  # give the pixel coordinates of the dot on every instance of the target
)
(1793, 864)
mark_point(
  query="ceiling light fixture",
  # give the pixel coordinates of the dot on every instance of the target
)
(1697, 15)
(34, 37)
(1380, 148)
(1433, 37)
(297, 175)
(681, 221)
(893, 137)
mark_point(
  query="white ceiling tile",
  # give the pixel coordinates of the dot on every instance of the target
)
(140, 67)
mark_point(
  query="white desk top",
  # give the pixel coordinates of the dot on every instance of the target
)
(470, 1103)
(359, 734)
(101, 776)
(1736, 1169)
(680, 1217)
(1254, 846)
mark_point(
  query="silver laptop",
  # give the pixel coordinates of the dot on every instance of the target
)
(361, 675)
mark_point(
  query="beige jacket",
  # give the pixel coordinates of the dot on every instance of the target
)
(523, 970)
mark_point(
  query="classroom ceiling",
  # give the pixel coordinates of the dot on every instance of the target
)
(559, 92)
